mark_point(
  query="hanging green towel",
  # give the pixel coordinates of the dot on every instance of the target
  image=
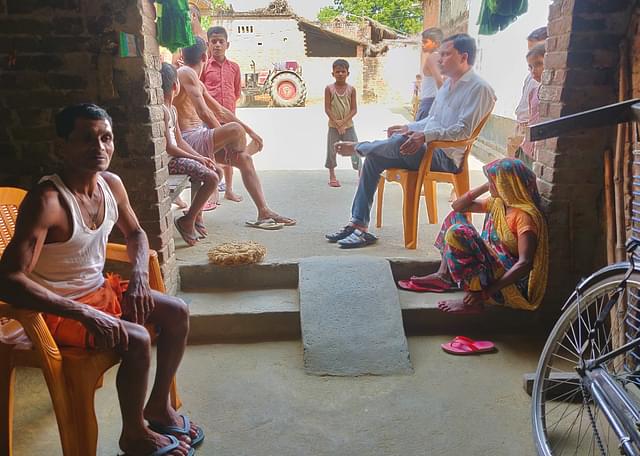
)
(174, 24)
(496, 15)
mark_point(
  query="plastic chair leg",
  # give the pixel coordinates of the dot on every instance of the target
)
(7, 381)
(461, 186)
(431, 198)
(174, 397)
(82, 385)
(410, 212)
(379, 202)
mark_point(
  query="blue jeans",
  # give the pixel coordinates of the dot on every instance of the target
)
(384, 154)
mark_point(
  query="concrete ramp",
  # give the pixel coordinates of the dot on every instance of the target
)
(350, 317)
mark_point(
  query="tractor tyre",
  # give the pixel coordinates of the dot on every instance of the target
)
(288, 90)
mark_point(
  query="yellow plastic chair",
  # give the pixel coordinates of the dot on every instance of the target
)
(72, 375)
(413, 181)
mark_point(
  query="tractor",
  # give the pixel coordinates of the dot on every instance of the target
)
(283, 83)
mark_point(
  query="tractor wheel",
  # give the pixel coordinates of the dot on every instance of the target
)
(288, 90)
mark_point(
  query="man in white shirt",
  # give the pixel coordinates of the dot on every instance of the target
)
(461, 103)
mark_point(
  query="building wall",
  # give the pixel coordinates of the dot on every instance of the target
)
(581, 68)
(272, 40)
(454, 16)
(56, 53)
(377, 79)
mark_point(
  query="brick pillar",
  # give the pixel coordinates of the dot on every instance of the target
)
(431, 17)
(56, 53)
(580, 74)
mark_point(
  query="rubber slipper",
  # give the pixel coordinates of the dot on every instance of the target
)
(357, 239)
(210, 206)
(461, 345)
(174, 431)
(175, 443)
(267, 224)
(410, 286)
(200, 228)
(189, 239)
(435, 282)
(334, 183)
(281, 219)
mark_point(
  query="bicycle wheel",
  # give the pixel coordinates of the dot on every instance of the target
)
(563, 421)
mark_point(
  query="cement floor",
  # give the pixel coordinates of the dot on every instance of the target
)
(295, 184)
(319, 209)
(256, 400)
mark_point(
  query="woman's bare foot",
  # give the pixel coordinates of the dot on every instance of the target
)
(148, 442)
(345, 148)
(458, 306)
(229, 195)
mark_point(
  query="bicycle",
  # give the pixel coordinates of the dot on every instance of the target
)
(586, 392)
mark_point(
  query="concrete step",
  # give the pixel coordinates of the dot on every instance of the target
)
(202, 276)
(226, 316)
(223, 315)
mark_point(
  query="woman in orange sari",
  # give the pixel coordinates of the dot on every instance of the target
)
(508, 263)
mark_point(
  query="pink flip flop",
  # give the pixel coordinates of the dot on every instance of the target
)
(433, 283)
(461, 345)
(210, 206)
(411, 286)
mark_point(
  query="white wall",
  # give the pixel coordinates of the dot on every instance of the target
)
(280, 41)
(399, 68)
(501, 57)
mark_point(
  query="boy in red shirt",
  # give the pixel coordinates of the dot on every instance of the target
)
(221, 78)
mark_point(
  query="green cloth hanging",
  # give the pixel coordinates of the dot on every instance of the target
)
(496, 15)
(174, 24)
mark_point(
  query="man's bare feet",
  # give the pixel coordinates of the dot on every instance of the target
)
(149, 442)
(231, 196)
(186, 230)
(458, 306)
(345, 148)
(277, 218)
(180, 203)
(169, 417)
(253, 148)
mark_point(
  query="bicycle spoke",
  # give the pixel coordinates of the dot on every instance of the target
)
(561, 422)
(566, 434)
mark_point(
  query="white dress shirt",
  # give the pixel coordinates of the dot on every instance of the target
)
(456, 112)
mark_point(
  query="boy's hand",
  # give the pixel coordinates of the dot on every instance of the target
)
(206, 161)
(342, 130)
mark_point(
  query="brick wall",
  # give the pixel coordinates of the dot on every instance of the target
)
(581, 67)
(57, 52)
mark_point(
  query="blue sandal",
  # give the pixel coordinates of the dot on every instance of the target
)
(340, 235)
(357, 239)
(174, 443)
(173, 431)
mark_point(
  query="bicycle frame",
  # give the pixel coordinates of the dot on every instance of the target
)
(614, 401)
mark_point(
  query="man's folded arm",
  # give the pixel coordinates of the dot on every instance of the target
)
(479, 105)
